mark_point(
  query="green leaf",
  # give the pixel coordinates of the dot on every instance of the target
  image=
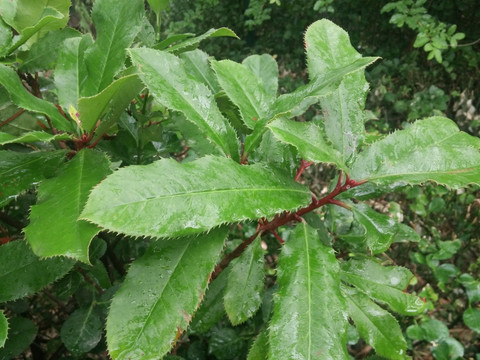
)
(117, 23)
(3, 329)
(21, 334)
(19, 171)
(82, 331)
(162, 45)
(197, 64)
(432, 149)
(447, 349)
(471, 318)
(309, 317)
(109, 104)
(158, 5)
(23, 273)
(308, 139)
(246, 280)
(191, 43)
(150, 310)
(60, 201)
(32, 136)
(5, 38)
(383, 283)
(328, 48)
(430, 330)
(44, 53)
(259, 349)
(167, 79)
(244, 89)
(193, 197)
(265, 69)
(380, 229)
(375, 325)
(71, 70)
(25, 100)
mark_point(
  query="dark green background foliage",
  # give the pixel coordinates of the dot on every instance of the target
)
(86, 190)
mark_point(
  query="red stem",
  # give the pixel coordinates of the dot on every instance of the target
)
(13, 117)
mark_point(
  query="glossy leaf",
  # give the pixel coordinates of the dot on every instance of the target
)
(259, 349)
(19, 171)
(308, 139)
(168, 81)
(265, 69)
(197, 64)
(159, 295)
(60, 201)
(245, 90)
(328, 47)
(309, 314)
(375, 325)
(432, 149)
(25, 100)
(109, 104)
(246, 280)
(193, 197)
(117, 23)
(471, 318)
(5, 38)
(23, 273)
(21, 334)
(82, 331)
(380, 229)
(3, 329)
(190, 43)
(383, 283)
(32, 136)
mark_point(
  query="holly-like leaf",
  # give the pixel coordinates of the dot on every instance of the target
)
(383, 283)
(243, 295)
(328, 47)
(471, 318)
(117, 23)
(20, 335)
(375, 325)
(245, 90)
(23, 273)
(309, 317)
(82, 331)
(259, 349)
(193, 197)
(191, 43)
(32, 136)
(25, 100)
(167, 79)
(159, 295)
(308, 139)
(265, 69)
(197, 64)
(3, 328)
(19, 171)
(54, 228)
(432, 149)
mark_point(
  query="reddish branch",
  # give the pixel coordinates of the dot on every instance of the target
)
(286, 217)
(13, 117)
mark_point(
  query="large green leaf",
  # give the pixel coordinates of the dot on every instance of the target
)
(159, 295)
(328, 48)
(191, 43)
(265, 69)
(383, 283)
(111, 102)
(20, 335)
(54, 228)
(3, 328)
(117, 23)
(432, 149)
(197, 64)
(191, 197)
(309, 319)
(82, 331)
(167, 79)
(245, 90)
(23, 273)
(32, 136)
(375, 325)
(19, 171)
(246, 280)
(308, 139)
(25, 100)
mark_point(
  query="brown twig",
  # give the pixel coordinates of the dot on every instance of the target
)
(13, 117)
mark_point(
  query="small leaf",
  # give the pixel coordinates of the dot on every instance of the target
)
(308, 139)
(259, 349)
(21, 334)
(430, 330)
(82, 331)
(60, 201)
(432, 149)
(167, 79)
(375, 325)
(32, 136)
(309, 317)
(5, 38)
(471, 318)
(246, 280)
(193, 197)
(447, 349)
(3, 329)
(191, 43)
(150, 309)
(158, 5)
(265, 69)
(23, 273)
(162, 45)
